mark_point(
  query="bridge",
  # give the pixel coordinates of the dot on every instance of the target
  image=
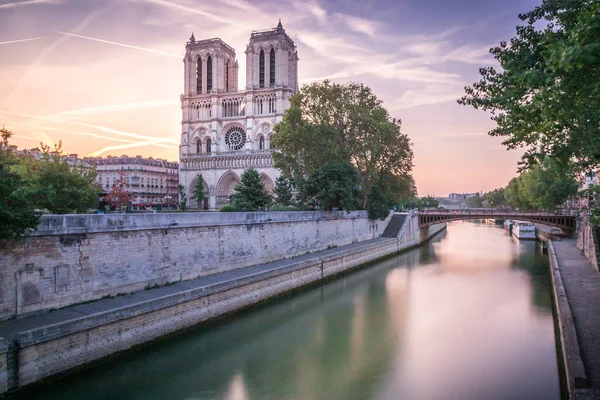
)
(560, 220)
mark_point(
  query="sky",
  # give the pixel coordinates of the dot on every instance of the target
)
(104, 76)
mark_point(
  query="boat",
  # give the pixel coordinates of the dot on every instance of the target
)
(523, 230)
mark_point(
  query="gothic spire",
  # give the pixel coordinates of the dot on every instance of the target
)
(279, 26)
(192, 38)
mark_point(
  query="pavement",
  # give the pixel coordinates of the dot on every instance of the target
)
(582, 286)
(113, 307)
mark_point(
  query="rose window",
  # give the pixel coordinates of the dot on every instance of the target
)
(235, 138)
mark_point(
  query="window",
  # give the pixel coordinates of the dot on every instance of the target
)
(272, 68)
(227, 76)
(261, 69)
(199, 75)
(198, 146)
(235, 138)
(261, 143)
(208, 145)
(209, 74)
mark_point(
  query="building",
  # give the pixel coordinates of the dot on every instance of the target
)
(152, 181)
(226, 130)
(461, 196)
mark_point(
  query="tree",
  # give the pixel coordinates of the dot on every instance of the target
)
(251, 194)
(548, 185)
(475, 201)
(378, 205)
(546, 96)
(429, 202)
(334, 185)
(17, 214)
(119, 194)
(283, 191)
(495, 198)
(56, 186)
(182, 198)
(330, 123)
(198, 193)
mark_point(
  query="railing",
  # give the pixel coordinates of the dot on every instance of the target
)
(239, 160)
(496, 211)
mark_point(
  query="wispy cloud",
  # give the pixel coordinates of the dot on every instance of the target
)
(121, 44)
(24, 3)
(23, 40)
(136, 105)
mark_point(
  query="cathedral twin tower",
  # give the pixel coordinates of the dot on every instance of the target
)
(225, 130)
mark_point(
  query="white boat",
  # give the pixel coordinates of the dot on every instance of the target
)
(523, 230)
(508, 224)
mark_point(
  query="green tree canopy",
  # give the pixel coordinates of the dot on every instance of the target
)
(198, 191)
(495, 198)
(56, 186)
(546, 96)
(334, 185)
(330, 123)
(475, 201)
(283, 191)
(251, 194)
(17, 214)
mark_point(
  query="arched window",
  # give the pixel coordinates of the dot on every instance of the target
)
(261, 69)
(209, 74)
(261, 143)
(208, 145)
(227, 76)
(272, 68)
(199, 146)
(199, 75)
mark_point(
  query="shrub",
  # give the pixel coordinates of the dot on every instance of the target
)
(227, 208)
(279, 207)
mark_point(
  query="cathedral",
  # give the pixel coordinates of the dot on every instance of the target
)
(226, 130)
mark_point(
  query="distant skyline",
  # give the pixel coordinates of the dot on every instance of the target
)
(105, 76)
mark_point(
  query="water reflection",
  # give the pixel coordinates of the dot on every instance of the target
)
(467, 317)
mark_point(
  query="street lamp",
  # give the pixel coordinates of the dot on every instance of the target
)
(172, 223)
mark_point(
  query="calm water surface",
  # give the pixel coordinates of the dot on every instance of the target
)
(467, 317)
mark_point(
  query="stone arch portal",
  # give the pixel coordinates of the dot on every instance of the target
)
(267, 181)
(226, 187)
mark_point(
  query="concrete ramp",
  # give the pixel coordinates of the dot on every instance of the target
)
(391, 231)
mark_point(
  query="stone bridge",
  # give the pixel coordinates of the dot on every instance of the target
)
(560, 220)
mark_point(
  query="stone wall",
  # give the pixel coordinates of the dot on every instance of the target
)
(77, 258)
(587, 240)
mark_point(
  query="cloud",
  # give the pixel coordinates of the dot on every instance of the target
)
(24, 3)
(23, 40)
(136, 105)
(122, 45)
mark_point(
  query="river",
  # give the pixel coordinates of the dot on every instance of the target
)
(468, 316)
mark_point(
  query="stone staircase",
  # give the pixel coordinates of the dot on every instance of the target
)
(391, 231)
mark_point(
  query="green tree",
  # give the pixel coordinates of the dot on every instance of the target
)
(56, 186)
(475, 201)
(548, 185)
(334, 185)
(330, 123)
(495, 198)
(17, 214)
(378, 204)
(251, 194)
(182, 198)
(118, 194)
(198, 192)
(546, 95)
(514, 196)
(429, 202)
(283, 191)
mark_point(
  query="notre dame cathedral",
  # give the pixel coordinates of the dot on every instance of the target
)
(226, 130)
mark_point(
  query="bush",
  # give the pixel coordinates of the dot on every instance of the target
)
(227, 208)
(279, 207)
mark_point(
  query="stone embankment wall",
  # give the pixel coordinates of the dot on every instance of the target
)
(77, 258)
(50, 348)
(587, 240)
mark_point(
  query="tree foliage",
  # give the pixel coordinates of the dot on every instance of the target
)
(251, 194)
(56, 186)
(334, 185)
(118, 194)
(546, 96)
(283, 191)
(494, 198)
(330, 123)
(198, 191)
(475, 201)
(544, 187)
(17, 213)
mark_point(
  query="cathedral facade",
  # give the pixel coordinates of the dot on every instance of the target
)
(226, 130)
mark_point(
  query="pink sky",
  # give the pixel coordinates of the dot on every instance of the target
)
(105, 76)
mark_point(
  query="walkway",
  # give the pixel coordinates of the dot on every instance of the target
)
(582, 286)
(135, 302)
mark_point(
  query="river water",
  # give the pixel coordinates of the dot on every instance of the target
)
(468, 316)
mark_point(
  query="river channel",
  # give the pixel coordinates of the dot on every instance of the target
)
(467, 316)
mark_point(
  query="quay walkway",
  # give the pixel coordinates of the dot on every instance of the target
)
(581, 283)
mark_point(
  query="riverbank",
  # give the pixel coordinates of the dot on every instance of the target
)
(43, 345)
(576, 287)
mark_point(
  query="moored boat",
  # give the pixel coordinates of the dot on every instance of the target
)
(523, 230)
